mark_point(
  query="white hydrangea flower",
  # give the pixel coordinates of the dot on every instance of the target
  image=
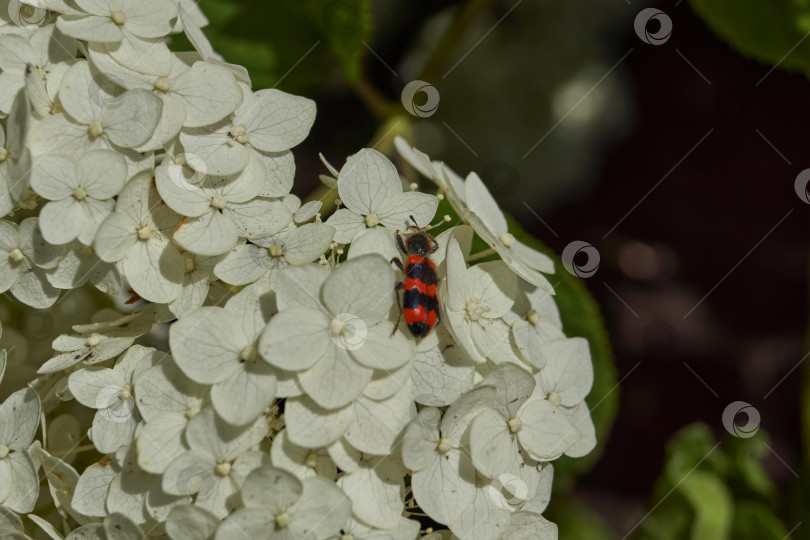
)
(41, 53)
(215, 467)
(18, 274)
(475, 300)
(96, 119)
(332, 329)
(371, 190)
(219, 210)
(302, 462)
(261, 260)
(108, 336)
(405, 529)
(80, 192)
(535, 321)
(199, 273)
(558, 401)
(277, 506)
(218, 346)
(137, 234)
(167, 400)
(434, 449)
(373, 483)
(111, 392)
(442, 370)
(193, 95)
(76, 264)
(19, 418)
(267, 122)
(186, 522)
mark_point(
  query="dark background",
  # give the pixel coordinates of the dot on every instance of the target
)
(696, 231)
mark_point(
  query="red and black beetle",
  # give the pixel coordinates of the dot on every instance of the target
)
(419, 306)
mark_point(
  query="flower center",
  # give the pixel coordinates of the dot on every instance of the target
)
(192, 411)
(312, 460)
(248, 354)
(275, 251)
(79, 194)
(4, 451)
(223, 469)
(16, 255)
(125, 392)
(444, 446)
(555, 399)
(188, 264)
(372, 220)
(4, 153)
(347, 536)
(219, 201)
(92, 340)
(282, 519)
(87, 251)
(515, 424)
(95, 129)
(162, 84)
(475, 309)
(145, 233)
(240, 134)
(118, 17)
(507, 239)
(533, 317)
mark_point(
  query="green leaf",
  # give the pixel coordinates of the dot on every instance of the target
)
(577, 521)
(294, 45)
(771, 31)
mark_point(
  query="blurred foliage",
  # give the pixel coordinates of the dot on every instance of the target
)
(271, 38)
(712, 490)
(772, 32)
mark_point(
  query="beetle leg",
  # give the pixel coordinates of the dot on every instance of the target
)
(398, 288)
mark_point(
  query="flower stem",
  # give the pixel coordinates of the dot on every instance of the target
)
(481, 255)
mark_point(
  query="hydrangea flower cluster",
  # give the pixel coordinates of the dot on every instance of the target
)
(288, 403)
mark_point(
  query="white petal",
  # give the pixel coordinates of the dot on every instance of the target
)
(243, 264)
(206, 344)
(259, 217)
(335, 380)
(61, 221)
(493, 447)
(374, 501)
(546, 432)
(160, 440)
(362, 287)
(580, 417)
(422, 206)
(116, 236)
(308, 517)
(569, 371)
(21, 474)
(209, 93)
(134, 119)
(295, 339)
(34, 290)
(279, 121)
(376, 240)
(188, 522)
(155, 270)
(90, 27)
(212, 144)
(272, 489)
(212, 233)
(378, 424)
(54, 177)
(312, 426)
(382, 348)
(495, 285)
(181, 191)
(301, 286)
(368, 181)
(82, 95)
(480, 201)
(243, 396)
(347, 225)
(91, 386)
(446, 487)
(442, 372)
(19, 418)
(307, 242)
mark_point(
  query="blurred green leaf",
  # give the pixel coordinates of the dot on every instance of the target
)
(711, 502)
(746, 459)
(772, 32)
(577, 521)
(294, 45)
(755, 521)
